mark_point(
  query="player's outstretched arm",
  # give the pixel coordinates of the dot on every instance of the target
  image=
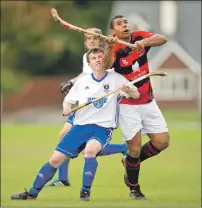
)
(108, 58)
(154, 40)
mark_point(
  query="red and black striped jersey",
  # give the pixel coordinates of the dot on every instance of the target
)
(132, 65)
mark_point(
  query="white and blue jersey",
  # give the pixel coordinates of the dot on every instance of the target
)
(104, 112)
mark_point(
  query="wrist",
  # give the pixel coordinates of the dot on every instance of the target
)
(110, 47)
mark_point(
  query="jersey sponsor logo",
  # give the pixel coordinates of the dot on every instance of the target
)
(99, 103)
(124, 62)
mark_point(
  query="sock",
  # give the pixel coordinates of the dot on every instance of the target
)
(63, 171)
(148, 150)
(114, 148)
(89, 171)
(45, 174)
(132, 169)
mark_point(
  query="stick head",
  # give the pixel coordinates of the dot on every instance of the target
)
(55, 14)
(159, 73)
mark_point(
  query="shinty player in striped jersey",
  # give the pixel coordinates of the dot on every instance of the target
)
(90, 41)
(140, 115)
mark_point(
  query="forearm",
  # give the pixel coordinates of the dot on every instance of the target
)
(108, 58)
(154, 40)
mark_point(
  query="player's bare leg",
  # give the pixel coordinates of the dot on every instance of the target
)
(93, 147)
(44, 175)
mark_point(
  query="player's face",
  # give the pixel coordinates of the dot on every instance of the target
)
(121, 28)
(92, 41)
(95, 61)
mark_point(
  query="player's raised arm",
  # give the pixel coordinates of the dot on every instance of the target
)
(108, 58)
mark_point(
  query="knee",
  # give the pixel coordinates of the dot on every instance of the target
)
(162, 143)
(134, 151)
(54, 162)
(93, 147)
(90, 153)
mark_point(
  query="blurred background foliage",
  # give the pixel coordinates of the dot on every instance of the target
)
(33, 44)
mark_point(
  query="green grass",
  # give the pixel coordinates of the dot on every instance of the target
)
(181, 115)
(171, 179)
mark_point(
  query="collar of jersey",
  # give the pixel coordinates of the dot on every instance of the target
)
(99, 80)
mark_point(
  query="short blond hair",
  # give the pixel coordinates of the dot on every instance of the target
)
(95, 30)
(93, 50)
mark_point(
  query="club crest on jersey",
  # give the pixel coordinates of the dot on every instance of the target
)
(99, 103)
(135, 66)
(106, 87)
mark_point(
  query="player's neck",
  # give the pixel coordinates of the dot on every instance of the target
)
(99, 75)
(128, 39)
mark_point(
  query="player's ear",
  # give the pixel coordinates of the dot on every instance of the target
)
(112, 32)
(85, 44)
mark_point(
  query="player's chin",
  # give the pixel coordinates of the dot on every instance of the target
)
(98, 66)
(126, 34)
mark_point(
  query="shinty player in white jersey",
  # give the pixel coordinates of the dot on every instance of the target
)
(90, 41)
(93, 125)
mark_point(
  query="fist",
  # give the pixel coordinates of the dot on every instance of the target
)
(125, 88)
(131, 91)
(110, 41)
(139, 46)
(66, 112)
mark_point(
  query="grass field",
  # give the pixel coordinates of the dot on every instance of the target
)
(171, 179)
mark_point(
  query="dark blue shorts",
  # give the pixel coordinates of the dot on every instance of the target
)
(75, 140)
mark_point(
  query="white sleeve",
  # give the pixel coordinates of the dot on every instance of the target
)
(120, 79)
(73, 94)
(86, 67)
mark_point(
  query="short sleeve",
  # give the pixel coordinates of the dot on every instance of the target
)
(143, 34)
(73, 94)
